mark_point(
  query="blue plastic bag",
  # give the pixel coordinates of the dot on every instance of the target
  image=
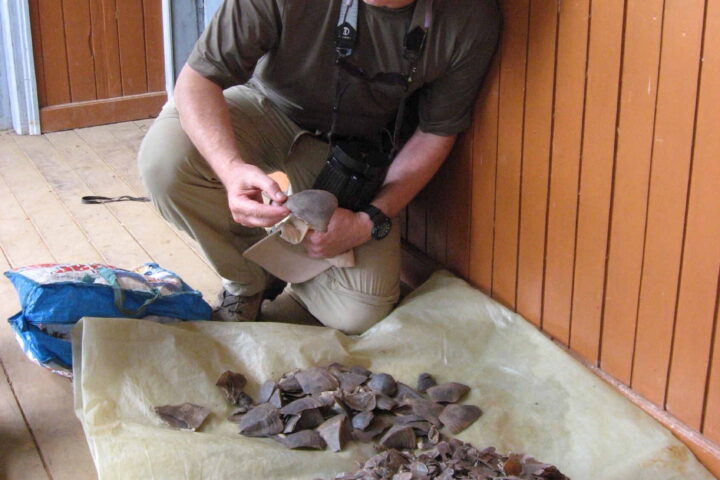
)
(54, 297)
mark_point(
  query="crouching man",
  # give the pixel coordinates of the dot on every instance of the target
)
(271, 86)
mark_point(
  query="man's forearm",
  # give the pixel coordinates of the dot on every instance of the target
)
(205, 117)
(412, 169)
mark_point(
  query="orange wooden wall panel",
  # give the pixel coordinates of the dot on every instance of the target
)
(595, 191)
(439, 192)
(598, 153)
(37, 51)
(537, 134)
(53, 53)
(711, 422)
(81, 63)
(513, 51)
(154, 45)
(674, 125)
(457, 207)
(484, 162)
(689, 368)
(131, 35)
(89, 51)
(565, 167)
(417, 222)
(643, 28)
(105, 48)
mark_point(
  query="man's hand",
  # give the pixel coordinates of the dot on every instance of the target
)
(346, 230)
(206, 119)
(245, 184)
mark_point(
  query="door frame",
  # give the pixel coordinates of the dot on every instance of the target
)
(16, 48)
(20, 65)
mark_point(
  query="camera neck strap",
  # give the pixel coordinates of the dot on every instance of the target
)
(346, 37)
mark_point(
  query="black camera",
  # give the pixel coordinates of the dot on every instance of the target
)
(354, 172)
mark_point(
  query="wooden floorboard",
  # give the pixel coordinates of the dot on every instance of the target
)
(117, 145)
(42, 180)
(19, 453)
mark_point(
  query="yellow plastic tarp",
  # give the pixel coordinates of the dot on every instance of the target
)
(535, 397)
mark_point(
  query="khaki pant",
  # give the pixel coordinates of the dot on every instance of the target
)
(188, 194)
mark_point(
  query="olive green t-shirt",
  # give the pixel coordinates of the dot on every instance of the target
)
(286, 49)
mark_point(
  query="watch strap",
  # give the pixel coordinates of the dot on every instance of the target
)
(381, 222)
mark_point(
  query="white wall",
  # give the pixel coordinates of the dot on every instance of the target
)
(210, 7)
(5, 114)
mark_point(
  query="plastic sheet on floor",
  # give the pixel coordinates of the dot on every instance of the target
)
(535, 397)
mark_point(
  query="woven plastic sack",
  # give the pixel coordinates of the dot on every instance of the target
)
(53, 297)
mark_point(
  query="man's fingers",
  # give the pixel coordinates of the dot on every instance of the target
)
(256, 214)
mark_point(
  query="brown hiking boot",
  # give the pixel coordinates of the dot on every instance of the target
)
(237, 308)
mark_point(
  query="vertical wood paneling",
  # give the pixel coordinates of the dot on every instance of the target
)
(457, 212)
(111, 47)
(37, 51)
(601, 119)
(54, 57)
(484, 157)
(604, 56)
(565, 167)
(78, 44)
(97, 60)
(417, 222)
(131, 35)
(632, 166)
(539, 96)
(154, 45)
(105, 51)
(680, 59)
(689, 368)
(711, 423)
(439, 190)
(513, 51)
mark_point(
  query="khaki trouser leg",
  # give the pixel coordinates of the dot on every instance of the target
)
(188, 194)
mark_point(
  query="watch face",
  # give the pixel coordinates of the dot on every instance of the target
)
(381, 229)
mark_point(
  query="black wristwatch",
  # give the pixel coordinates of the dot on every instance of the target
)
(381, 222)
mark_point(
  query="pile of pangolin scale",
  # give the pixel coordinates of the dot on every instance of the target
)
(325, 407)
(452, 459)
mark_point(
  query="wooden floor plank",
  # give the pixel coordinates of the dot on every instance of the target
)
(128, 133)
(109, 237)
(19, 455)
(45, 398)
(121, 157)
(20, 241)
(159, 239)
(56, 226)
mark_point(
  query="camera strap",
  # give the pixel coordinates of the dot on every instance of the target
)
(346, 34)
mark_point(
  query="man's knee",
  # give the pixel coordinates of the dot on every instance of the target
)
(350, 312)
(356, 319)
(162, 154)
